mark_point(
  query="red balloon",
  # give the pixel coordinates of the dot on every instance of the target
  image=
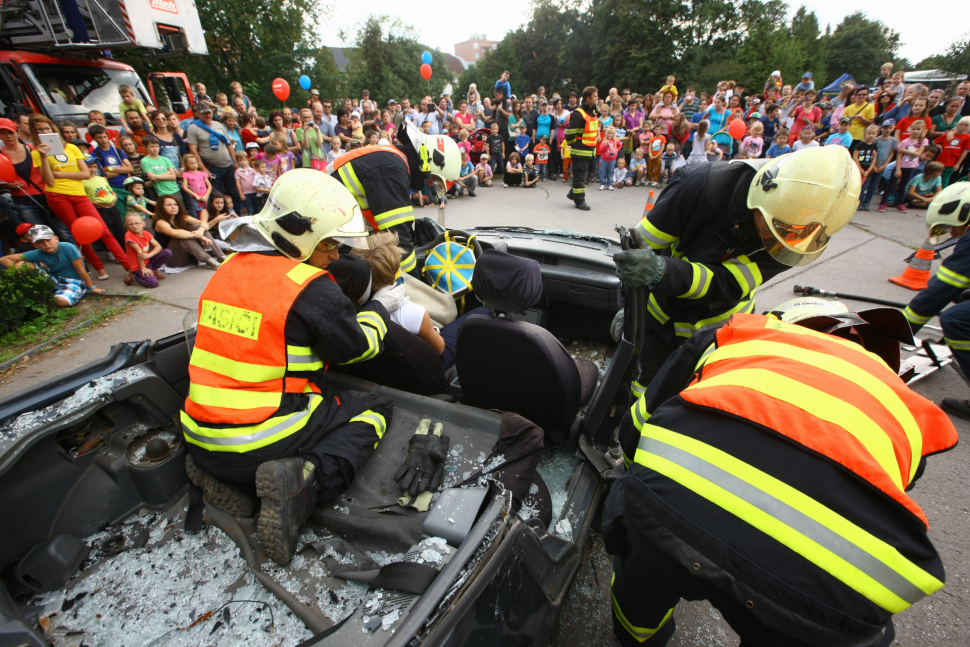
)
(86, 230)
(737, 129)
(281, 89)
(425, 71)
(7, 172)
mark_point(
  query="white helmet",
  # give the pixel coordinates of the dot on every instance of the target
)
(804, 198)
(439, 155)
(794, 310)
(950, 208)
(304, 207)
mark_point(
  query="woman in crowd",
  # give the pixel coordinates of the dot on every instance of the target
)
(464, 119)
(215, 212)
(648, 104)
(231, 121)
(169, 143)
(63, 177)
(343, 129)
(544, 122)
(283, 133)
(679, 132)
(312, 140)
(560, 118)
(387, 131)
(183, 235)
(616, 110)
(666, 110)
(515, 120)
(69, 134)
(248, 131)
(719, 118)
(633, 120)
(948, 120)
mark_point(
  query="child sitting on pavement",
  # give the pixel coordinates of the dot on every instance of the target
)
(136, 200)
(145, 256)
(668, 159)
(467, 177)
(61, 260)
(638, 167)
(484, 171)
(924, 187)
(530, 171)
(621, 176)
(513, 171)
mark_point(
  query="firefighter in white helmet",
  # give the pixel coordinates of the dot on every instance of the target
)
(271, 320)
(719, 231)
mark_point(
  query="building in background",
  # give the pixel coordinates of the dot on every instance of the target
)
(474, 48)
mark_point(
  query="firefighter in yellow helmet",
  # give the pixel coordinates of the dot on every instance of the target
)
(271, 320)
(720, 230)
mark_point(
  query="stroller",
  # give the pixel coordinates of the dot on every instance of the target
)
(479, 142)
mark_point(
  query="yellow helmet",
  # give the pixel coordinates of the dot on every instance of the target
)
(804, 198)
(304, 207)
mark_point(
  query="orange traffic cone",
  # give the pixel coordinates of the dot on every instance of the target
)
(916, 276)
(649, 206)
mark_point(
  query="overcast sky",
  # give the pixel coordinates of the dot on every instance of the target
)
(923, 33)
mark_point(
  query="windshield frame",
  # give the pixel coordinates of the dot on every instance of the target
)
(106, 97)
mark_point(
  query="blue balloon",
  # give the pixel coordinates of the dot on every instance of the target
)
(304, 82)
(426, 58)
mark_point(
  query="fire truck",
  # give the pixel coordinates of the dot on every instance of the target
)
(55, 55)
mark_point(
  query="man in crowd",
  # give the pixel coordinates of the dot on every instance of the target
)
(531, 117)
(137, 129)
(211, 145)
(325, 125)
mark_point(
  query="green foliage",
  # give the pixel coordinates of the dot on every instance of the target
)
(26, 294)
(860, 46)
(956, 59)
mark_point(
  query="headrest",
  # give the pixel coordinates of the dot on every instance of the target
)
(507, 283)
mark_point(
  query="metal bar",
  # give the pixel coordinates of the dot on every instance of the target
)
(810, 291)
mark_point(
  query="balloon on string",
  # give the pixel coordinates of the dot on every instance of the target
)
(304, 82)
(281, 89)
(7, 172)
(426, 71)
(737, 129)
(86, 230)
(426, 57)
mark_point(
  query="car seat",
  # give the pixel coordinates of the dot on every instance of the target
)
(514, 365)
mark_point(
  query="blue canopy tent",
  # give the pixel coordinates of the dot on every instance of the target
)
(833, 88)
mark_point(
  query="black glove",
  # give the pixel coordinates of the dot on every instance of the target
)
(425, 453)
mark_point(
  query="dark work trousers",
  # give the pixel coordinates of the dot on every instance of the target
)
(583, 169)
(955, 322)
(648, 584)
(654, 351)
(329, 440)
(224, 181)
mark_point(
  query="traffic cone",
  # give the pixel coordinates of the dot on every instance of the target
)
(916, 276)
(649, 206)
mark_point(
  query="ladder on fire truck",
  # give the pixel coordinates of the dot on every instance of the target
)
(74, 25)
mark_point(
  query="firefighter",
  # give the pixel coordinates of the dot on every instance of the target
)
(720, 230)
(271, 320)
(381, 178)
(581, 134)
(769, 469)
(949, 213)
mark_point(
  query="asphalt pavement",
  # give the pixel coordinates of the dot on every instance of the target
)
(859, 261)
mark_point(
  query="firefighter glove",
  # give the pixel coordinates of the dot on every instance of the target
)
(425, 453)
(639, 267)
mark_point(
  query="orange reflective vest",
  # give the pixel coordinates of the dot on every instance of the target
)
(241, 364)
(584, 145)
(826, 394)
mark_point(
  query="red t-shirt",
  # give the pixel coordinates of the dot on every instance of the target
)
(247, 136)
(609, 148)
(952, 146)
(799, 114)
(903, 126)
(144, 243)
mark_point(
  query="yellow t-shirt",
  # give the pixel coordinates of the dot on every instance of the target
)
(64, 164)
(565, 150)
(669, 88)
(124, 107)
(866, 111)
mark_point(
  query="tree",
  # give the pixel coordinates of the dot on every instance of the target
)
(708, 41)
(957, 57)
(860, 46)
(805, 30)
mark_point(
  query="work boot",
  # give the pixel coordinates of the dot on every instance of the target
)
(288, 493)
(581, 204)
(227, 497)
(570, 195)
(959, 408)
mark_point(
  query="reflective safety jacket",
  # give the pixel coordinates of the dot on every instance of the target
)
(581, 133)
(950, 280)
(780, 475)
(715, 259)
(255, 370)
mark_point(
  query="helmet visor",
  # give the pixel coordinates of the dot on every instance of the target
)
(792, 245)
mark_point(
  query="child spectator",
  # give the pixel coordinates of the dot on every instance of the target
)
(608, 150)
(953, 148)
(541, 151)
(656, 149)
(621, 175)
(806, 139)
(698, 151)
(160, 170)
(823, 131)
(129, 102)
(136, 202)
(262, 183)
(770, 121)
(638, 168)
(567, 160)
(112, 160)
(780, 146)
(668, 159)
(530, 172)
(865, 154)
(230, 212)
(495, 151)
(23, 240)
(196, 184)
(244, 184)
(753, 144)
(464, 145)
(917, 113)
(843, 137)
(261, 129)
(522, 141)
(907, 161)
(61, 260)
(335, 150)
(145, 256)
(924, 187)
(669, 87)
(886, 146)
(252, 150)
(467, 177)
(714, 152)
(513, 171)
(96, 118)
(484, 171)
(128, 146)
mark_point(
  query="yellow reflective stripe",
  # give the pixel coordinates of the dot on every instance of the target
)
(373, 345)
(849, 553)
(654, 309)
(957, 344)
(687, 329)
(242, 371)
(879, 390)
(639, 633)
(394, 217)
(212, 396)
(705, 355)
(639, 413)
(301, 273)
(819, 404)
(654, 237)
(746, 273)
(581, 152)
(409, 263)
(947, 275)
(349, 178)
(374, 419)
(637, 389)
(778, 324)
(700, 284)
(249, 437)
(302, 358)
(374, 319)
(915, 318)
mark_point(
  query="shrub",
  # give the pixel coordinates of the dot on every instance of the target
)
(25, 294)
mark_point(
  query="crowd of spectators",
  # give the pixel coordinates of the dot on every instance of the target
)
(160, 184)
